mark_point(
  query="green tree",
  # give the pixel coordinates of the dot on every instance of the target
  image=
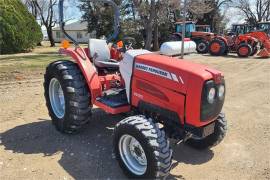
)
(254, 11)
(18, 29)
(153, 18)
(98, 16)
(208, 12)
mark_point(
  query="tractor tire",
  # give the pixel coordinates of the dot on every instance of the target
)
(213, 139)
(217, 47)
(67, 96)
(202, 47)
(244, 50)
(142, 149)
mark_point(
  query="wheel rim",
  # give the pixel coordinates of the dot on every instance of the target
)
(202, 47)
(132, 154)
(57, 98)
(215, 47)
(243, 51)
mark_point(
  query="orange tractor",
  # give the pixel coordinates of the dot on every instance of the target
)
(243, 44)
(240, 40)
(264, 41)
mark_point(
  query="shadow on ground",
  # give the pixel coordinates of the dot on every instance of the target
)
(89, 154)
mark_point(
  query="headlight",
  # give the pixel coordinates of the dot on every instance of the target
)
(221, 91)
(211, 95)
(212, 99)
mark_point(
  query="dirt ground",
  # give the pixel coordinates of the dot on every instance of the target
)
(31, 148)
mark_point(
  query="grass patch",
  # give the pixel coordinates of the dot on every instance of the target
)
(28, 61)
(28, 65)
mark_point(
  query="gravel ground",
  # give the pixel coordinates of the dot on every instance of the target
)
(31, 148)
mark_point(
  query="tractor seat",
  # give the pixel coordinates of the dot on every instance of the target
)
(100, 53)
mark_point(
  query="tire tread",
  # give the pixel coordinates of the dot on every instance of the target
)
(155, 138)
(77, 95)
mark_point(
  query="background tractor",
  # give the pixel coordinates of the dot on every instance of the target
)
(201, 38)
(246, 28)
(244, 45)
(264, 43)
(162, 97)
(237, 29)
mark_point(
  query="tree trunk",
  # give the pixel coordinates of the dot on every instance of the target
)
(156, 42)
(148, 41)
(149, 25)
(50, 36)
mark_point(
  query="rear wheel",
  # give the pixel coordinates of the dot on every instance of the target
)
(244, 50)
(202, 47)
(217, 47)
(141, 148)
(67, 96)
(213, 139)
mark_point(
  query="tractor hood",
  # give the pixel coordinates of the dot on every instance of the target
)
(172, 73)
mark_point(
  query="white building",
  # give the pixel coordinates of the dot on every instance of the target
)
(77, 30)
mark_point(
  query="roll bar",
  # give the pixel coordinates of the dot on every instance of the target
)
(116, 19)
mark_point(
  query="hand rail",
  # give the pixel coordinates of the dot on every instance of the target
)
(116, 20)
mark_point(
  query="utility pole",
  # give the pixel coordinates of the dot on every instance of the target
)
(183, 28)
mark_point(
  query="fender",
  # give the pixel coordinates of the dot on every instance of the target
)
(178, 34)
(89, 71)
(223, 39)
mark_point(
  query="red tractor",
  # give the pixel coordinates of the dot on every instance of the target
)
(200, 34)
(167, 97)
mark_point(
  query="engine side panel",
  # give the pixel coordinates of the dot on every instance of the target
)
(153, 93)
(160, 69)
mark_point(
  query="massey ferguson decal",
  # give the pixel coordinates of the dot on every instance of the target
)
(158, 72)
(153, 70)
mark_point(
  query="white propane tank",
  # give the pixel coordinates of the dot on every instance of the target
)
(173, 48)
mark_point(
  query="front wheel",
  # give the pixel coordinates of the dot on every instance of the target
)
(142, 149)
(213, 139)
(217, 47)
(244, 50)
